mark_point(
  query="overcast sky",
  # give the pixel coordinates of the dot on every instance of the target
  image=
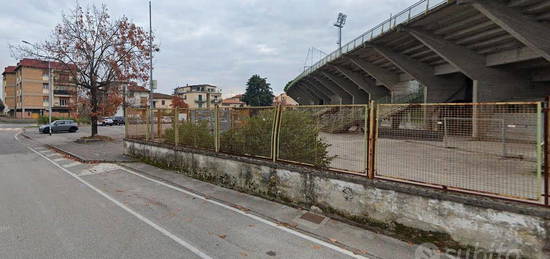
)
(219, 42)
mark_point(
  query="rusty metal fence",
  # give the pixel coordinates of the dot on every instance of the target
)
(490, 148)
(493, 149)
(328, 136)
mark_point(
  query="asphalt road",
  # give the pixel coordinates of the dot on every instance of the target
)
(53, 207)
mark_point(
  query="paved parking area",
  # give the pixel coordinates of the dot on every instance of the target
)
(101, 151)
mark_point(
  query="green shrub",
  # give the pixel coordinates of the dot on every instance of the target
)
(299, 139)
(252, 138)
(195, 135)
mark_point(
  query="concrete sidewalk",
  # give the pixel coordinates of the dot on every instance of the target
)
(90, 152)
(359, 240)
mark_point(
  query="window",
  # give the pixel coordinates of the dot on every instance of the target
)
(63, 101)
(45, 86)
(185, 97)
(162, 102)
(200, 97)
(45, 98)
(155, 104)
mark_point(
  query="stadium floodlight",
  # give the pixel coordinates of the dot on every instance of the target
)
(340, 21)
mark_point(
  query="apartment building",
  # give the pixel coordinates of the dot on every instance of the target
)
(162, 101)
(8, 86)
(27, 90)
(199, 96)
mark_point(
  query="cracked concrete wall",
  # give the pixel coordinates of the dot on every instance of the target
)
(409, 214)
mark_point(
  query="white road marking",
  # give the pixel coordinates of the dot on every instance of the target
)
(59, 159)
(72, 164)
(267, 222)
(126, 208)
(10, 129)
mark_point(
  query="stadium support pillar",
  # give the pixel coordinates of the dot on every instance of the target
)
(440, 89)
(345, 97)
(359, 96)
(530, 32)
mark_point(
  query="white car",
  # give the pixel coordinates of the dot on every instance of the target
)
(105, 122)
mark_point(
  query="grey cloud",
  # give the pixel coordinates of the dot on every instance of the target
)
(213, 41)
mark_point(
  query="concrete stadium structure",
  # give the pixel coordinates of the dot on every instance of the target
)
(455, 50)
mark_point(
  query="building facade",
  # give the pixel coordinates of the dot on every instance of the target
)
(27, 89)
(162, 101)
(284, 99)
(137, 96)
(234, 101)
(199, 96)
(8, 89)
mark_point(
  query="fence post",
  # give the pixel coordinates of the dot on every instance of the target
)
(126, 124)
(539, 142)
(159, 123)
(147, 122)
(176, 130)
(217, 128)
(372, 138)
(275, 133)
(546, 150)
(366, 137)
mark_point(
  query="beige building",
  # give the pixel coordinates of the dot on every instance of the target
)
(137, 96)
(162, 101)
(8, 86)
(284, 99)
(26, 89)
(233, 102)
(200, 96)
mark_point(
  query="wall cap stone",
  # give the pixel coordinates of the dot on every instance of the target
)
(407, 188)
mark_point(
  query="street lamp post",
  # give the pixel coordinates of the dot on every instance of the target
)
(50, 92)
(151, 81)
(340, 21)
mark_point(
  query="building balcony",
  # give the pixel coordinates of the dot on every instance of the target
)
(200, 100)
(63, 92)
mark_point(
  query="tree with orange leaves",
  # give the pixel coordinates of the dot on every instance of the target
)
(98, 50)
(178, 102)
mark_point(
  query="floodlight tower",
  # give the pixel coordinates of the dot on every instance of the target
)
(340, 21)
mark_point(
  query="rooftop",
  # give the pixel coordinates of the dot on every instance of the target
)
(199, 85)
(136, 88)
(9, 69)
(161, 96)
(36, 63)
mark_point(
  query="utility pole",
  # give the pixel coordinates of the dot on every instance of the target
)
(50, 86)
(151, 70)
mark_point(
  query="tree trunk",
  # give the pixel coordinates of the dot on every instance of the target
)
(94, 104)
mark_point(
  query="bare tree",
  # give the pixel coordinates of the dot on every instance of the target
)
(97, 49)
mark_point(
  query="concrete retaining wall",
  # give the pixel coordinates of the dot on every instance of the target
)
(447, 219)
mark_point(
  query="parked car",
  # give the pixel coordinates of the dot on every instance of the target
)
(59, 126)
(105, 122)
(118, 120)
